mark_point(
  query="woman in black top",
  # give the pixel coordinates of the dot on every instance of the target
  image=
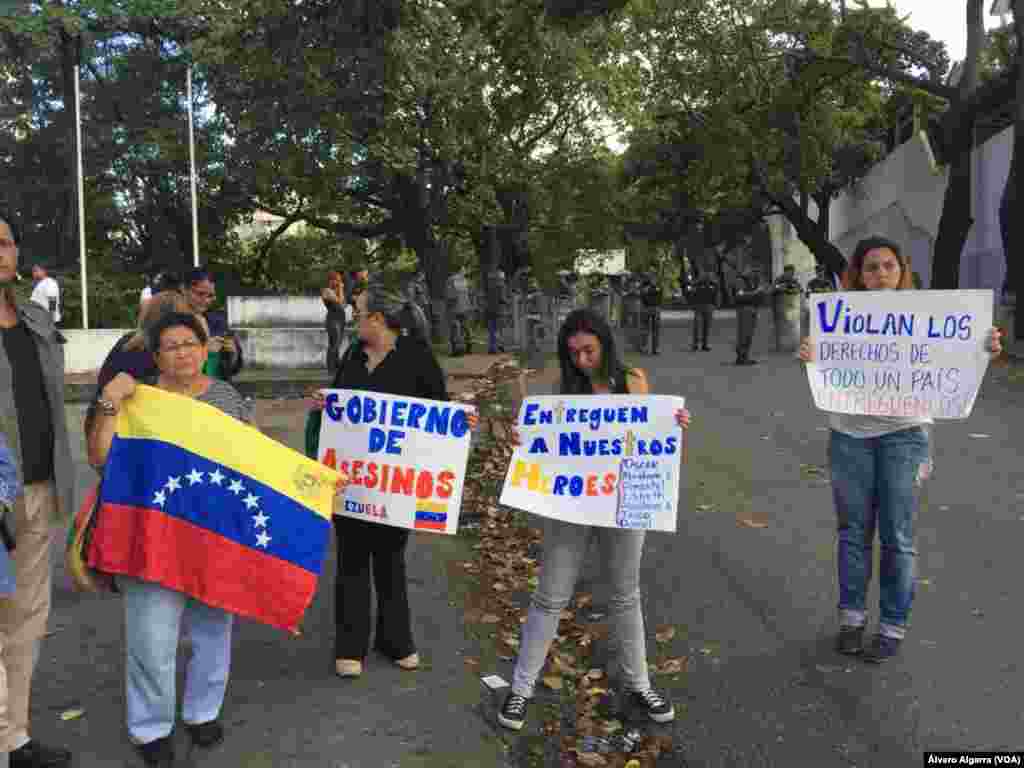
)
(391, 356)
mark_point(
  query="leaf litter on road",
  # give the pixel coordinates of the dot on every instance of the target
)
(505, 565)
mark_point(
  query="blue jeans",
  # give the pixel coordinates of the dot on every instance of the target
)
(876, 484)
(565, 545)
(492, 333)
(153, 616)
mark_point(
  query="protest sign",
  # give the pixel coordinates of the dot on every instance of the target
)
(405, 456)
(608, 460)
(899, 353)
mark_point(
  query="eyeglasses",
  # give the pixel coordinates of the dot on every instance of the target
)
(187, 346)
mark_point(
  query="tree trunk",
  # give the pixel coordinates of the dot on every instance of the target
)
(807, 230)
(435, 263)
(1010, 214)
(956, 221)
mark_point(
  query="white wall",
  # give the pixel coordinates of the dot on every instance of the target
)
(86, 350)
(276, 312)
(901, 198)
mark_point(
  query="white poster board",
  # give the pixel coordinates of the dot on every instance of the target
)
(405, 456)
(899, 353)
(607, 460)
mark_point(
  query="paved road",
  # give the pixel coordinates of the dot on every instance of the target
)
(757, 604)
(754, 606)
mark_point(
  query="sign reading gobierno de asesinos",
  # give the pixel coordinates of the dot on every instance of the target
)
(405, 457)
(899, 353)
(606, 460)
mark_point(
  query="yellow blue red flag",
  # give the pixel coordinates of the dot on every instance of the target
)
(204, 504)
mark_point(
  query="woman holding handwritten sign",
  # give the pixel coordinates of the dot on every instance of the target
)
(590, 366)
(878, 465)
(392, 356)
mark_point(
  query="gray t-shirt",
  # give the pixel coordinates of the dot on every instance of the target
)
(225, 397)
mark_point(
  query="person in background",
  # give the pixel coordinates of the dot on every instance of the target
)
(494, 303)
(459, 305)
(652, 298)
(821, 282)
(703, 297)
(130, 354)
(333, 296)
(224, 359)
(879, 465)
(46, 292)
(589, 365)
(391, 356)
(33, 424)
(748, 295)
(154, 614)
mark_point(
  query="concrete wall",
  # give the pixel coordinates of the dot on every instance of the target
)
(285, 348)
(901, 198)
(276, 312)
(787, 248)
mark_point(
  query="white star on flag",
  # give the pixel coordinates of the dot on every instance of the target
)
(216, 477)
(236, 487)
(172, 484)
(262, 540)
(260, 519)
(194, 477)
(251, 501)
(159, 498)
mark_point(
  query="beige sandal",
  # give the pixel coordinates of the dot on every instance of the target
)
(412, 661)
(348, 667)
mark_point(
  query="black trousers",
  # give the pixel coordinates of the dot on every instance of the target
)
(335, 335)
(702, 315)
(746, 326)
(362, 546)
(654, 326)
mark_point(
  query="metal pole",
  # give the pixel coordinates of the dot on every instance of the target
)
(81, 203)
(192, 174)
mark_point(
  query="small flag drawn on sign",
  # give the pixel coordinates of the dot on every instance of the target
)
(431, 516)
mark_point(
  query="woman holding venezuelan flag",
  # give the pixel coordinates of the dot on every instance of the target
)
(154, 614)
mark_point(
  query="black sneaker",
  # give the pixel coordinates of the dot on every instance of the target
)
(36, 755)
(159, 753)
(882, 649)
(513, 712)
(658, 708)
(850, 640)
(208, 734)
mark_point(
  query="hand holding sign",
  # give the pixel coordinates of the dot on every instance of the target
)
(909, 354)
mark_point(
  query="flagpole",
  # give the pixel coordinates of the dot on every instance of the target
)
(192, 174)
(81, 202)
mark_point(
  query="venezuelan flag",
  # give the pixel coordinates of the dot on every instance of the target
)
(201, 503)
(431, 516)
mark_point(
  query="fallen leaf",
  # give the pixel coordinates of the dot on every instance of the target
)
(665, 633)
(595, 674)
(590, 759)
(596, 691)
(632, 764)
(553, 682)
(673, 666)
(499, 587)
(469, 661)
(705, 507)
(582, 601)
(72, 714)
(490, 618)
(753, 523)
(567, 615)
(611, 726)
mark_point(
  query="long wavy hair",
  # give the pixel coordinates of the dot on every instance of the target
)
(854, 278)
(612, 370)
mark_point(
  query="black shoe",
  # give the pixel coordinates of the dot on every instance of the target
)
(882, 649)
(693, 348)
(36, 755)
(159, 752)
(513, 712)
(850, 640)
(706, 348)
(746, 361)
(657, 707)
(206, 734)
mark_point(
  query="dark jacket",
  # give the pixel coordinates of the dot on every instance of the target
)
(704, 292)
(748, 291)
(410, 370)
